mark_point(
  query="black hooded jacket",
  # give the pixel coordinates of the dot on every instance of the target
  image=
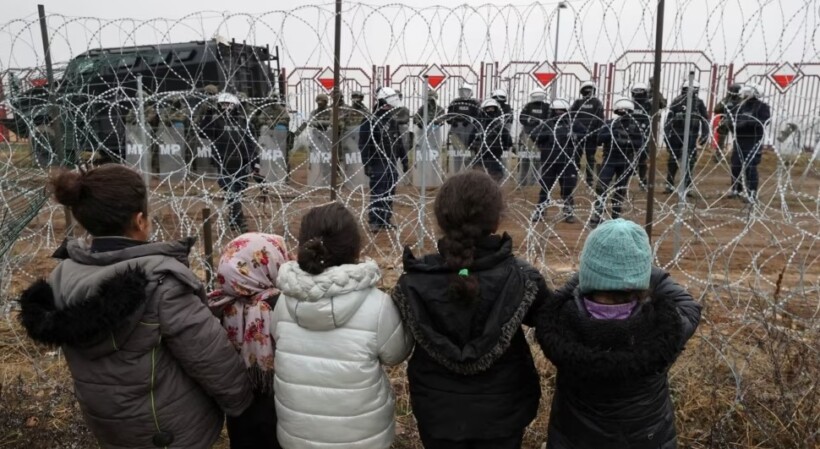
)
(471, 375)
(612, 389)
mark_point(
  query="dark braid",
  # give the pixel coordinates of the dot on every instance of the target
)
(468, 206)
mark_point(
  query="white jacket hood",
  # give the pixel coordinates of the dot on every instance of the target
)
(327, 300)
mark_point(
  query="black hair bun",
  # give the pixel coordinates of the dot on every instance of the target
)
(313, 256)
(68, 187)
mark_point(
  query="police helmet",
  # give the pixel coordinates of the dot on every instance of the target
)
(357, 94)
(538, 95)
(465, 91)
(734, 88)
(499, 95)
(588, 88)
(227, 100)
(639, 89)
(750, 90)
(211, 89)
(389, 96)
(322, 98)
(490, 103)
(559, 104)
(623, 106)
(695, 86)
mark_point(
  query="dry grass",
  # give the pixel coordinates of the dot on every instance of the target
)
(748, 379)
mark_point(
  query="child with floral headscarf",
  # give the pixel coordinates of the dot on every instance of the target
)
(247, 292)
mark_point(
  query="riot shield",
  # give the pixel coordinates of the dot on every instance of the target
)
(319, 157)
(460, 157)
(352, 167)
(138, 147)
(427, 157)
(273, 153)
(171, 154)
(529, 161)
(203, 152)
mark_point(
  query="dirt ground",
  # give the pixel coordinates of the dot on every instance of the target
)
(748, 379)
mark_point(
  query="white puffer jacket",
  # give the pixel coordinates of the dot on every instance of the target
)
(333, 332)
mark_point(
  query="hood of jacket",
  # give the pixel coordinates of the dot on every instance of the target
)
(327, 300)
(93, 299)
(644, 344)
(467, 339)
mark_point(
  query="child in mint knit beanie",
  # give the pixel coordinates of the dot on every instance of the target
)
(616, 257)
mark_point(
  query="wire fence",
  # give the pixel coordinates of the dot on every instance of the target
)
(144, 93)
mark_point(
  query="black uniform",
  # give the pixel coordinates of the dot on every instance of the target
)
(489, 141)
(643, 111)
(382, 150)
(612, 388)
(463, 111)
(727, 107)
(554, 139)
(749, 120)
(472, 379)
(674, 130)
(507, 111)
(236, 157)
(533, 114)
(588, 118)
(623, 141)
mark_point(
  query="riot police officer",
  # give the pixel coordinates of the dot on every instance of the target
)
(435, 113)
(500, 96)
(534, 113)
(587, 114)
(382, 149)
(675, 129)
(724, 110)
(749, 123)
(641, 97)
(491, 139)
(462, 116)
(235, 156)
(554, 138)
(622, 140)
(464, 110)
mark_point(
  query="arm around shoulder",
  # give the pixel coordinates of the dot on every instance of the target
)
(199, 343)
(394, 343)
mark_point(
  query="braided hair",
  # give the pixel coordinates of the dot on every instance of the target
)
(468, 207)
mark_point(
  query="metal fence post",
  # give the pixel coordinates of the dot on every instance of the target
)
(684, 161)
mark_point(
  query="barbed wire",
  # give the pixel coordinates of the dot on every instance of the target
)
(725, 248)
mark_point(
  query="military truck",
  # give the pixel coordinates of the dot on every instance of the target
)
(88, 106)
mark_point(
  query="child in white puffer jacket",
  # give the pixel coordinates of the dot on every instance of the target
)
(333, 330)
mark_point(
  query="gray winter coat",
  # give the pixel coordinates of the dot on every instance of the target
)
(151, 366)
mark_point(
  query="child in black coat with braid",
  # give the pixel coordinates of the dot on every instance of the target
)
(472, 378)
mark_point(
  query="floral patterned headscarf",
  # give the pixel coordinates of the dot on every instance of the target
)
(246, 279)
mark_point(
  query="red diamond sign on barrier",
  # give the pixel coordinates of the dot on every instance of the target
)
(544, 74)
(784, 76)
(435, 76)
(326, 79)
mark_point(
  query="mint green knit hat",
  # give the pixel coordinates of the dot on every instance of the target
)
(616, 257)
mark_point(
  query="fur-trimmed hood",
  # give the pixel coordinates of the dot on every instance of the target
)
(88, 324)
(467, 339)
(646, 343)
(91, 300)
(327, 300)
